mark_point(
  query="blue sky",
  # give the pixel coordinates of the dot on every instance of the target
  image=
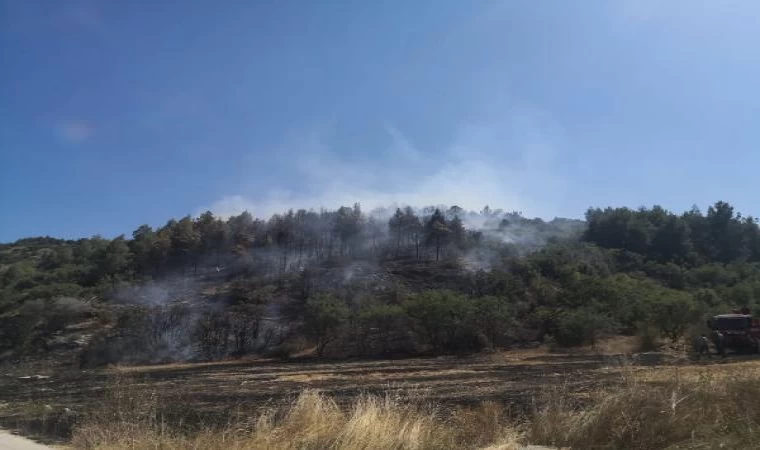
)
(114, 114)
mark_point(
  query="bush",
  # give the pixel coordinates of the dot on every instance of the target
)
(492, 317)
(378, 322)
(324, 318)
(442, 319)
(16, 332)
(673, 313)
(36, 321)
(583, 327)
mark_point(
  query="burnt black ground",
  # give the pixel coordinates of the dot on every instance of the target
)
(215, 392)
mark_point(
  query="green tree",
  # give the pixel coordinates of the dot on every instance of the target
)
(492, 317)
(440, 316)
(348, 226)
(382, 319)
(396, 227)
(727, 241)
(115, 259)
(185, 243)
(707, 297)
(241, 229)
(143, 240)
(671, 241)
(437, 231)
(374, 231)
(458, 232)
(162, 246)
(583, 327)
(413, 229)
(619, 228)
(211, 233)
(673, 312)
(325, 316)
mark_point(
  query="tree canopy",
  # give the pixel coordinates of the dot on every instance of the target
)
(446, 278)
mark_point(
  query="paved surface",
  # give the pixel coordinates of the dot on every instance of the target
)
(12, 442)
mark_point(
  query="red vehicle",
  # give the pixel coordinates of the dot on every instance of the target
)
(738, 331)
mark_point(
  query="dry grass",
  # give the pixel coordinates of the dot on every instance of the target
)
(690, 409)
(714, 372)
(705, 412)
(130, 419)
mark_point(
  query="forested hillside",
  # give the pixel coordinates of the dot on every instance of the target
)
(346, 282)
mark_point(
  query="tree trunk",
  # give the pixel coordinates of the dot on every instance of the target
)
(300, 251)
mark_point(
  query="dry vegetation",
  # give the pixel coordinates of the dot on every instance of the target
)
(708, 412)
(711, 411)
(499, 401)
(312, 421)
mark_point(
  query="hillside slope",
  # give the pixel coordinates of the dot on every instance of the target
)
(344, 283)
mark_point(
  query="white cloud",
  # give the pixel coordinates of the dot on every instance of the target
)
(505, 163)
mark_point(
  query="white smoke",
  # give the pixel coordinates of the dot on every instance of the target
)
(505, 163)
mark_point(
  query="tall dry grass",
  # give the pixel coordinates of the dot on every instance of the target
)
(703, 412)
(708, 412)
(131, 419)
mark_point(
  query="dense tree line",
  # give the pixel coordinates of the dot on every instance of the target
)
(431, 280)
(691, 238)
(46, 267)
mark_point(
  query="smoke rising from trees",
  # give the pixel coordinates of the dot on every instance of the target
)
(350, 282)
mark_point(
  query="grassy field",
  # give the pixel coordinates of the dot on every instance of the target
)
(501, 400)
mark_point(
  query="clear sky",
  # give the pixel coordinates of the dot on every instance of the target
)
(118, 113)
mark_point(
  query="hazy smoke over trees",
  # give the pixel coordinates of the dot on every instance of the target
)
(354, 282)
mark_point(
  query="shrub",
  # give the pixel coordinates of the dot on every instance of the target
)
(673, 313)
(324, 318)
(441, 318)
(492, 317)
(379, 321)
(583, 327)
